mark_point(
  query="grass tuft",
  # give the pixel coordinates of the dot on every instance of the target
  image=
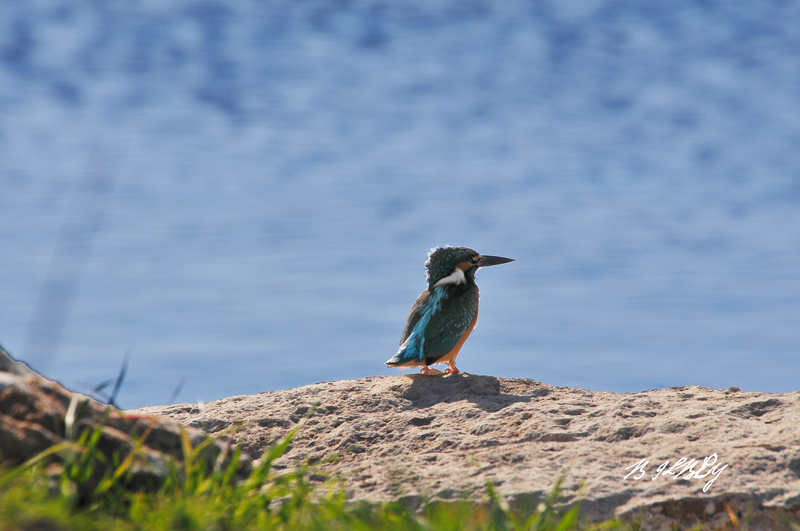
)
(84, 490)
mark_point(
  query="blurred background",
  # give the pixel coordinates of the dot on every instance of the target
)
(241, 194)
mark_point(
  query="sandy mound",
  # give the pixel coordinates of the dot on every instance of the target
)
(422, 437)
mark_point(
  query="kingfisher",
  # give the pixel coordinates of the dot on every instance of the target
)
(446, 313)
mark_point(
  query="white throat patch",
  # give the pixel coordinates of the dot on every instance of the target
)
(456, 277)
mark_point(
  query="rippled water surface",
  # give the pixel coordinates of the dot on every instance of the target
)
(242, 194)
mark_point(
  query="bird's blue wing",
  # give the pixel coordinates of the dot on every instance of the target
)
(435, 325)
(411, 350)
(447, 325)
(417, 312)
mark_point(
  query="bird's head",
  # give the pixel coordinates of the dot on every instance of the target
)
(457, 265)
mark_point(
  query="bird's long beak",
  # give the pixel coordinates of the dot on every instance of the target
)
(487, 261)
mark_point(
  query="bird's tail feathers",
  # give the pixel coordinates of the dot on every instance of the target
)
(410, 351)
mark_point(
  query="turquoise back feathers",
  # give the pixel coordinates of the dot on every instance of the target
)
(438, 320)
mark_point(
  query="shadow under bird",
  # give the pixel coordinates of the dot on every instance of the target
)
(446, 313)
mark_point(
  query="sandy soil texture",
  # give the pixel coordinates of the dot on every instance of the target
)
(423, 438)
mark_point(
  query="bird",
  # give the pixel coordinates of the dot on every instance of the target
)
(446, 313)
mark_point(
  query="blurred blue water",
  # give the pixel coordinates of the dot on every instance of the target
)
(277, 171)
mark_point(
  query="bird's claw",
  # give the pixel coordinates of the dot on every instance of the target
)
(431, 371)
(452, 370)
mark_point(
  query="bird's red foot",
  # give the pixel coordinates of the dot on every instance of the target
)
(452, 370)
(429, 370)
